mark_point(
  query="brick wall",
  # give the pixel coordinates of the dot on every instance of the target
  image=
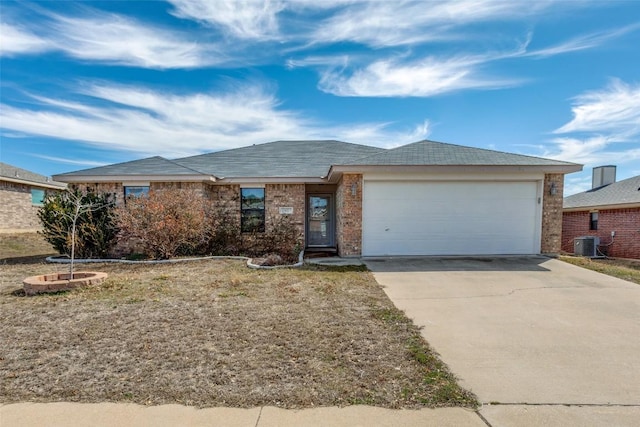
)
(17, 213)
(285, 195)
(625, 222)
(552, 214)
(349, 215)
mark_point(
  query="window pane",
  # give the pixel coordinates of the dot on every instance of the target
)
(37, 197)
(252, 210)
(136, 191)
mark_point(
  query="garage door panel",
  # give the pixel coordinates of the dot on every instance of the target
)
(449, 218)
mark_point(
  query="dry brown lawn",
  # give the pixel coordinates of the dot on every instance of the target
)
(212, 333)
(626, 269)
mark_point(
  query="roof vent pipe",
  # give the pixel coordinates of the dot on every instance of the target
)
(603, 175)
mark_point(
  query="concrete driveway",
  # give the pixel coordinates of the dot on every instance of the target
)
(539, 341)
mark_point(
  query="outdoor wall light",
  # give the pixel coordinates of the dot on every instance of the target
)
(354, 189)
(552, 189)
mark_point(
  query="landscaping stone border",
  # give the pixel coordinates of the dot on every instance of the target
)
(56, 282)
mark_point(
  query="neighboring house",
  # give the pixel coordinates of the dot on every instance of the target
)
(609, 211)
(21, 195)
(425, 198)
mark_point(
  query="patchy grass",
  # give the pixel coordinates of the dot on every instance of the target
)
(215, 333)
(626, 269)
(23, 247)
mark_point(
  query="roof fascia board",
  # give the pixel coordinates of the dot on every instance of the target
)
(453, 168)
(272, 180)
(33, 183)
(602, 207)
(127, 178)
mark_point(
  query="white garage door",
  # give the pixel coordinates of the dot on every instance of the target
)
(450, 218)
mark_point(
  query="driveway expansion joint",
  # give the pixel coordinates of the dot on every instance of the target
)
(484, 420)
(259, 415)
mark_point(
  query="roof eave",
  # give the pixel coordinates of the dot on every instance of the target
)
(70, 179)
(632, 205)
(273, 180)
(49, 185)
(337, 170)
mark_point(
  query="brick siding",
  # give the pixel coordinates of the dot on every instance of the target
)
(349, 215)
(285, 195)
(552, 214)
(17, 213)
(625, 222)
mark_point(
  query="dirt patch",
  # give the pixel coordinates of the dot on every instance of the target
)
(215, 333)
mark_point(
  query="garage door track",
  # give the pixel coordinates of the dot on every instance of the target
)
(538, 340)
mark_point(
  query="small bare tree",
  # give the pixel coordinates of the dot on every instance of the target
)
(63, 213)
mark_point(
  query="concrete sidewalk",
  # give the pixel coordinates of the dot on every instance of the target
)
(131, 415)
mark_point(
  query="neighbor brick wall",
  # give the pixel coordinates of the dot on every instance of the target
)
(349, 215)
(16, 211)
(625, 222)
(552, 214)
(285, 195)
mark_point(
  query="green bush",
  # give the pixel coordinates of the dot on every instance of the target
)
(96, 228)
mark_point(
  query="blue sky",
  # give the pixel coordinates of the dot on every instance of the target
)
(92, 83)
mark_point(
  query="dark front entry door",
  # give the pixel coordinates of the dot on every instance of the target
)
(320, 222)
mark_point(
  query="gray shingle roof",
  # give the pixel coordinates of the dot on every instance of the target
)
(279, 159)
(300, 159)
(150, 166)
(432, 153)
(619, 193)
(14, 172)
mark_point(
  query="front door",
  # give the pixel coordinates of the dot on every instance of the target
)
(320, 222)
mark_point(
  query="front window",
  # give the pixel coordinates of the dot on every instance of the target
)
(593, 221)
(136, 191)
(252, 210)
(37, 197)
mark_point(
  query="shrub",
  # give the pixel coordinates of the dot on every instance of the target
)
(282, 238)
(95, 225)
(166, 223)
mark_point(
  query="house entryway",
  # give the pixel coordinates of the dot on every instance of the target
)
(320, 221)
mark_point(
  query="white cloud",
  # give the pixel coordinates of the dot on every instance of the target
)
(247, 19)
(16, 40)
(84, 162)
(120, 40)
(148, 122)
(386, 23)
(614, 109)
(604, 130)
(582, 42)
(109, 38)
(428, 77)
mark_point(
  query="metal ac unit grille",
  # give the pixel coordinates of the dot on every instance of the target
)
(585, 246)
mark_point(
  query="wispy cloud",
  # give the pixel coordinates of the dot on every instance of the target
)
(604, 129)
(614, 109)
(583, 42)
(383, 23)
(63, 160)
(248, 19)
(120, 40)
(108, 38)
(427, 77)
(16, 40)
(149, 122)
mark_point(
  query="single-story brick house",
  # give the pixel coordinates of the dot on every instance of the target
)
(424, 198)
(21, 195)
(609, 210)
